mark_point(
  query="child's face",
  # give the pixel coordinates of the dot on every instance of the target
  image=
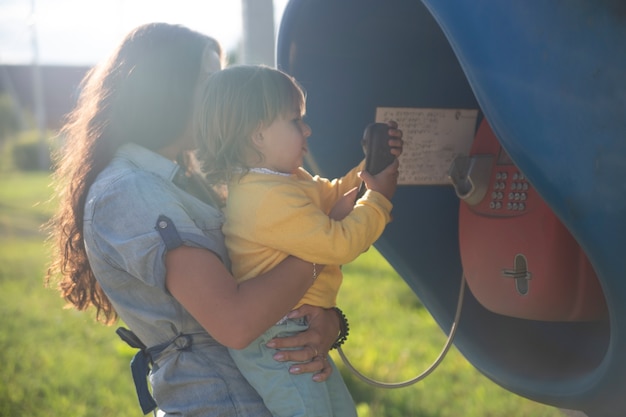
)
(283, 143)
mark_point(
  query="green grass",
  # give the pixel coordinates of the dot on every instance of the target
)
(57, 361)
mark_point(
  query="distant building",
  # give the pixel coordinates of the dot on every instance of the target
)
(59, 85)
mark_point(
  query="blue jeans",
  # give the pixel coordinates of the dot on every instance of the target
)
(287, 395)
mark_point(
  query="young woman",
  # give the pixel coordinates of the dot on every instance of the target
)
(131, 241)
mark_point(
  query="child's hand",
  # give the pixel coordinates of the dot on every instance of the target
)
(384, 182)
(344, 205)
(396, 143)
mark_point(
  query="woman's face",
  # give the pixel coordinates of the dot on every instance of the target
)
(211, 63)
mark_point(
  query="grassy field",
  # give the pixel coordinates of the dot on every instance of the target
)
(58, 362)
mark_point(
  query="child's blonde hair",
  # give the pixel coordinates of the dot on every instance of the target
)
(235, 103)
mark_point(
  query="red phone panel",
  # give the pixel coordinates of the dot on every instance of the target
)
(518, 258)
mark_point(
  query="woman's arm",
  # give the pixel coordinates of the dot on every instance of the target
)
(234, 314)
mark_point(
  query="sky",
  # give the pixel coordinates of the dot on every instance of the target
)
(83, 32)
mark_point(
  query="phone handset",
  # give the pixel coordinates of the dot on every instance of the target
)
(378, 154)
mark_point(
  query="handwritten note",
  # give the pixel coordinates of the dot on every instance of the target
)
(432, 139)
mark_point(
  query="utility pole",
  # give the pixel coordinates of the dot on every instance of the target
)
(43, 153)
(258, 32)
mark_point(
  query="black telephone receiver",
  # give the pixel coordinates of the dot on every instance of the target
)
(378, 154)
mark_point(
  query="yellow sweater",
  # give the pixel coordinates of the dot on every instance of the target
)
(269, 216)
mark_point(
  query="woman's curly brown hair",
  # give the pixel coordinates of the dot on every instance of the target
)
(143, 94)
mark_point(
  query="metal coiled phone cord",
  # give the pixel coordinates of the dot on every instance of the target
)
(430, 369)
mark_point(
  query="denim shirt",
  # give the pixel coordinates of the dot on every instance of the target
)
(126, 253)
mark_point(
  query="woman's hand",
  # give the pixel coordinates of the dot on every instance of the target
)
(312, 345)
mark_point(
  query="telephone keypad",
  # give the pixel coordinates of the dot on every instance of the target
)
(515, 197)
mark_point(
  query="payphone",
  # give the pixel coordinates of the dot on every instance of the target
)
(518, 258)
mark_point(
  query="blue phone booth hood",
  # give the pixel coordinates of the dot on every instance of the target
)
(550, 77)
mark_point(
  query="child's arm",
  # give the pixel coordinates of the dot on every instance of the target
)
(335, 190)
(344, 205)
(287, 220)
